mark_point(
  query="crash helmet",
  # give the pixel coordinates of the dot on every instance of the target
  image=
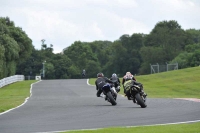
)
(114, 75)
(100, 75)
(128, 77)
(128, 73)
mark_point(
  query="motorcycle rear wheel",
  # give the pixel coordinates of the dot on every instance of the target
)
(111, 99)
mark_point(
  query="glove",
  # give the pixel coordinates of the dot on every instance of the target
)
(137, 86)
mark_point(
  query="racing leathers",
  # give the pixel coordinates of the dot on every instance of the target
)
(100, 82)
(116, 83)
(128, 80)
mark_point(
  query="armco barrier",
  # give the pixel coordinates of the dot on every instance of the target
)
(11, 79)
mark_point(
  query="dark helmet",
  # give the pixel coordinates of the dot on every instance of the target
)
(114, 75)
(100, 75)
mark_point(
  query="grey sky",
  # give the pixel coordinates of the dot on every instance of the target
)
(61, 22)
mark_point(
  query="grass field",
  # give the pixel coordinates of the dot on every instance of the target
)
(183, 83)
(14, 94)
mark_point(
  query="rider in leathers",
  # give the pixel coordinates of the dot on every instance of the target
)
(100, 82)
(117, 84)
(127, 78)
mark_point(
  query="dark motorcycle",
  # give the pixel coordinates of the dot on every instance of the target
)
(137, 95)
(116, 84)
(83, 75)
(110, 93)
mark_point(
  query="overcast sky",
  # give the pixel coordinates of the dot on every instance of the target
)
(61, 22)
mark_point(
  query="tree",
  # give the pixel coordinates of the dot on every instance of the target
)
(11, 54)
(193, 36)
(194, 60)
(61, 65)
(92, 68)
(2, 60)
(182, 60)
(150, 55)
(49, 71)
(80, 53)
(16, 46)
(168, 38)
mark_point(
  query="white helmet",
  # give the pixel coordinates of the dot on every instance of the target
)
(128, 73)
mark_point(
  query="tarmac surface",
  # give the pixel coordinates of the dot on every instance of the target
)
(60, 105)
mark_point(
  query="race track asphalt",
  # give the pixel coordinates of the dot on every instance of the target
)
(59, 105)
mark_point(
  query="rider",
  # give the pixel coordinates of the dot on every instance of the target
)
(128, 74)
(101, 82)
(115, 78)
(129, 77)
(83, 73)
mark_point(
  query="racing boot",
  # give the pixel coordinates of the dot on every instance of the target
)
(118, 89)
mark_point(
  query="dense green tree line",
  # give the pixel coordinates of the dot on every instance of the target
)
(167, 42)
(15, 47)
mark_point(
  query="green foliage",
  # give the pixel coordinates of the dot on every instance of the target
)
(190, 57)
(61, 66)
(194, 60)
(49, 70)
(193, 36)
(15, 47)
(182, 60)
(23, 41)
(11, 48)
(83, 58)
(93, 68)
(11, 55)
(167, 42)
(192, 47)
(74, 72)
(150, 55)
(2, 59)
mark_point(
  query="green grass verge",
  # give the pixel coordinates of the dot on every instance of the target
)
(178, 128)
(184, 83)
(14, 94)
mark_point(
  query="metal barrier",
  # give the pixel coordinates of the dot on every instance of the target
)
(163, 68)
(11, 79)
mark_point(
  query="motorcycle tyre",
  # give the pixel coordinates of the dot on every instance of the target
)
(110, 97)
(140, 101)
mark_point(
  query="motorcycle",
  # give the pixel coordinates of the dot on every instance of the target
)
(83, 75)
(110, 93)
(116, 85)
(137, 95)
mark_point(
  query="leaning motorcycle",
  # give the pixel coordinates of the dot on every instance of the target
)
(110, 93)
(137, 95)
(116, 85)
